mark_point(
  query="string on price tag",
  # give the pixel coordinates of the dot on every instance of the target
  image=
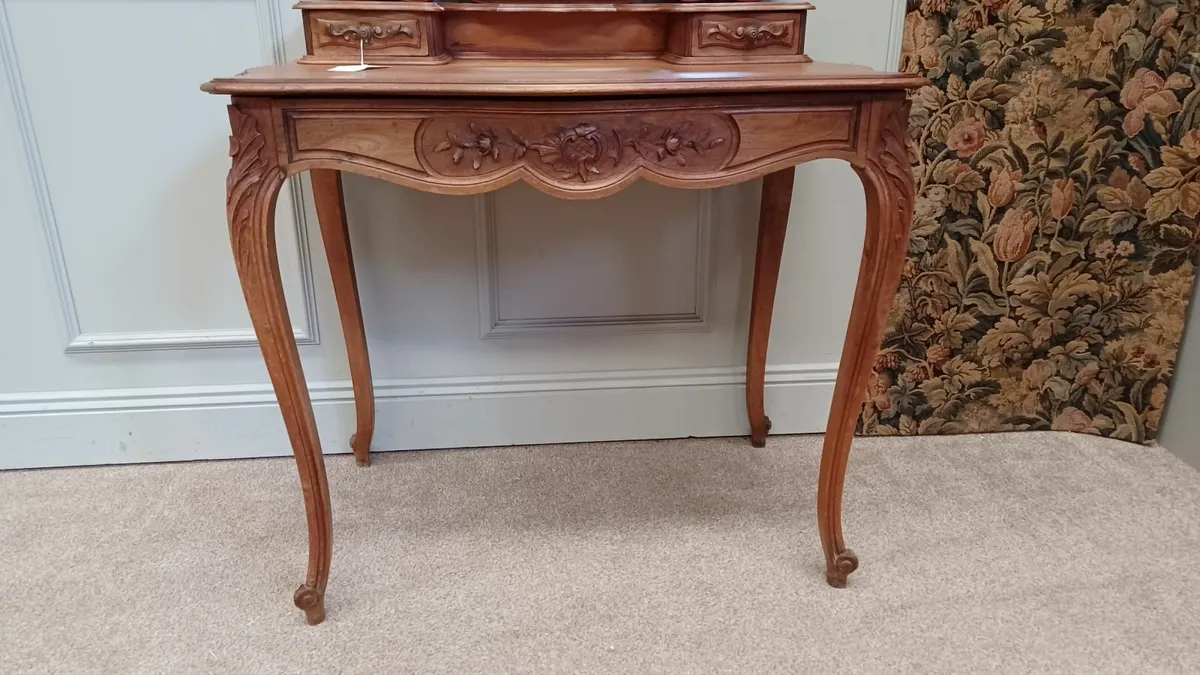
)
(362, 61)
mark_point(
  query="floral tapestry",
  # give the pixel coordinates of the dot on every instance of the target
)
(1057, 159)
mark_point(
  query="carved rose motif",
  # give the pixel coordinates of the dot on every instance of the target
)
(583, 150)
(575, 150)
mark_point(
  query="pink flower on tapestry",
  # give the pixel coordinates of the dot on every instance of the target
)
(937, 354)
(1062, 198)
(884, 403)
(1072, 419)
(1191, 143)
(1144, 84)
(1165, 22)
(967, 137)
(1003, 188)
(1146, 93)
(1086, 374)
(1014, 235)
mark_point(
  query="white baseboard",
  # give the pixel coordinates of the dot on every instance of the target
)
(237, 421)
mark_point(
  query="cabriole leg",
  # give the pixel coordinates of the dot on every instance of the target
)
(253, 186)
(888, 180)
(331, 212)
(772, 227)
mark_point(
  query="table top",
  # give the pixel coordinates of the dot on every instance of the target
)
(558, 78)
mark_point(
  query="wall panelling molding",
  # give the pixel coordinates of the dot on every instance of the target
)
(895, 35)
(67, 428)
(77, 339)
(493, 325)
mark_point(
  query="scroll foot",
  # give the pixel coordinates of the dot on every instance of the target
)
(312, 602)
(845, 563)
(362, 456)
(758, 437)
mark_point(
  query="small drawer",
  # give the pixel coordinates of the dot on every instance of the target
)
(726, 38)
(385, 37)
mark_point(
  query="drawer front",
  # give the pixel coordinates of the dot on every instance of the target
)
(568, 149)
(726, 37)
(335, 37)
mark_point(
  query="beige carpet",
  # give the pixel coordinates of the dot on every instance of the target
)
(1007, 553)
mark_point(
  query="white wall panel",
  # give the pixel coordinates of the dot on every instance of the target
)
(30, 319)
(133, 157)
(636, 260)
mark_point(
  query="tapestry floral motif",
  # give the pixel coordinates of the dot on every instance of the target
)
(1057, 159)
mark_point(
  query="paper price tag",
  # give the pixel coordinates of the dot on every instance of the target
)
(352, 69)
(362, 63)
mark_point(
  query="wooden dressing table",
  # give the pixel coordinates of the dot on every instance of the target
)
(579, 100)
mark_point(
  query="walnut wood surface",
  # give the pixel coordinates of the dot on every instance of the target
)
(743, 38)
(385, 38)
(559, 78)
(431, 33)
(331, 213)
(553, 34)
(579, 149)
(375, 34)
(574, 130)
(573, 150)
(775, 204)
(253, 185)
(888, 180)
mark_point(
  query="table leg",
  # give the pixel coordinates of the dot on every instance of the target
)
(888, 180)
(253, 186)
(772, 227)
(331, 212)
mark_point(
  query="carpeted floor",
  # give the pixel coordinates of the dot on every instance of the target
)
(1028, 552)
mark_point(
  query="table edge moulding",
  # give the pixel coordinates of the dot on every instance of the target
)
(468, 100)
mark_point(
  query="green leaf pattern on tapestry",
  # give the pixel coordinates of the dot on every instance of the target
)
(1057, 160)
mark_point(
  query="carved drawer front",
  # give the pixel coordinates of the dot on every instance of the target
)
(568, 149)
(776, 36)
(385, 37)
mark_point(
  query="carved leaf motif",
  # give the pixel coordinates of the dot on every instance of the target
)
(245, 144)
(747, 35)
(480, 144)
(583, 151)
(250, 175)
(892, 158)
(370, 32)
